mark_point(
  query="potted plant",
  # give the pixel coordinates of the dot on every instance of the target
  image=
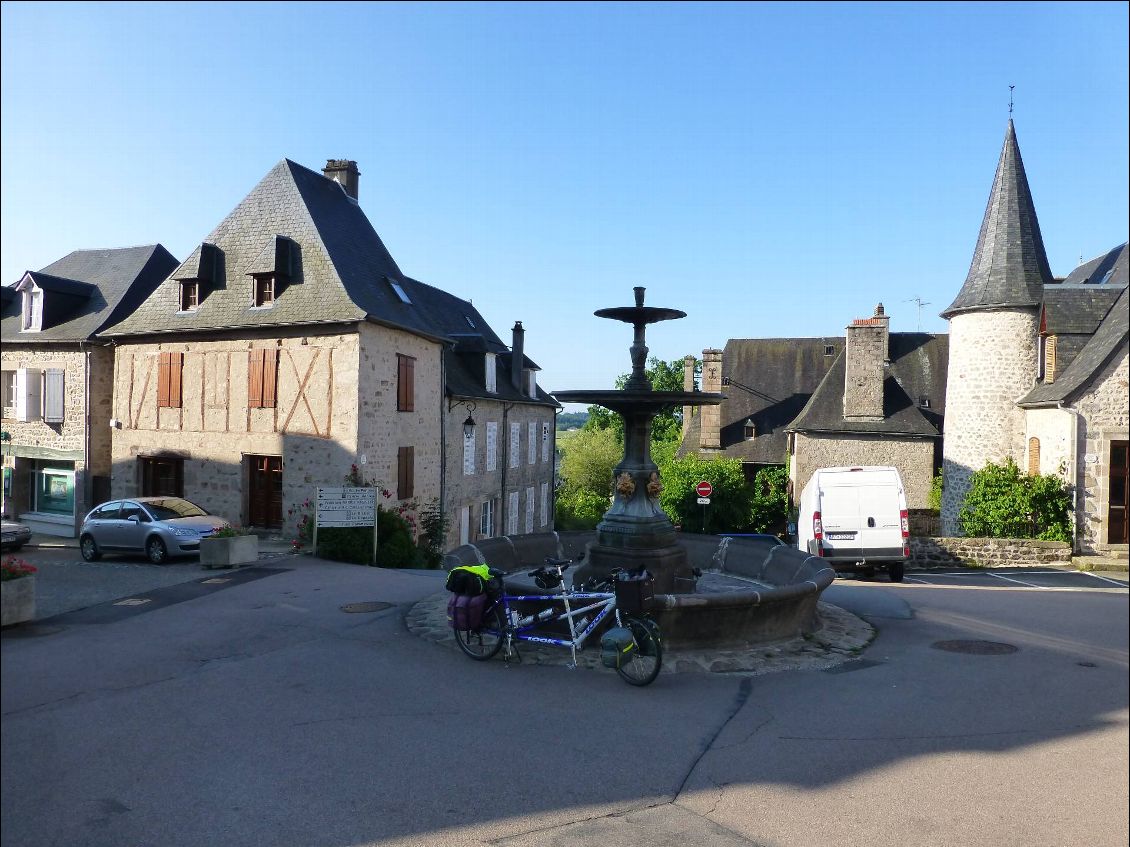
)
(229, 547)
(17, 591)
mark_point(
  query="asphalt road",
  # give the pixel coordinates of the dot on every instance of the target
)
(253, 710)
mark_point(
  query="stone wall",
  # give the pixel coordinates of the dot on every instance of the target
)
(992, 365)
(987, 552)
(914, 459)
(1106, 417)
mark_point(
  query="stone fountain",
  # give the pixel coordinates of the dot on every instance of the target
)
(635, 531)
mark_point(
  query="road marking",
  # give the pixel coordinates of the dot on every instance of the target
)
(1018, 581)
(133, 601)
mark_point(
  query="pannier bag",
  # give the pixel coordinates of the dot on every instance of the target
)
(617, 646)
(466, 613)
(635, 593)
(471, 580)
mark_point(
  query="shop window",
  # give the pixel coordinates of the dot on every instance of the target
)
(53, 489)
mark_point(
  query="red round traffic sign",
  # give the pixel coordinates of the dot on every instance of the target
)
(704, 489)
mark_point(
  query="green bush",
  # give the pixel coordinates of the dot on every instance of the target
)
(934, 499)
(769, 500)
(395, 548)
(579, 508)
(1003, 503)
(731, 504)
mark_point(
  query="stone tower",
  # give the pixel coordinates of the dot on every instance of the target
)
(994, 328)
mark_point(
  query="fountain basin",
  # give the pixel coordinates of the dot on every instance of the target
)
(752, 591)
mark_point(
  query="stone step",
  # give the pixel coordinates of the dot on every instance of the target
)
(1105, 562)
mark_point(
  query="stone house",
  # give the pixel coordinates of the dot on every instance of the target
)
(872, 397)
(1038, 366)
(57, 379)
(288, 348)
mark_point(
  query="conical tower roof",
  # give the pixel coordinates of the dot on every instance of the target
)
(1009, 266)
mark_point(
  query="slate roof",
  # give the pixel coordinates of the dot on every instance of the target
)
(342, 272)
(771, 380)
(918, 366)
(1110, 336)
(88, 290)
(1109, 269)
(1009, 267)
(465, 376)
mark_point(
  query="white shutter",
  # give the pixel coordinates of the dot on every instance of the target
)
(53, 397)
(533, 449)
(469, 454)
(544, 515)
(464, 524)
(545, 443)
(28, 394)
(512, 514)
(492, 446)
(529, 510)
(515, 444)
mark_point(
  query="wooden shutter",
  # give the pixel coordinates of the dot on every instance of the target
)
(255, 378)
(163, 381)
(405, 378)
(270, 378)
(405, 472)
(53, 402)
(1033, 457)
(176, 366)
(1049, 358)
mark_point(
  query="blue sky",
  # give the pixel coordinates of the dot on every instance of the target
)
(773, 170)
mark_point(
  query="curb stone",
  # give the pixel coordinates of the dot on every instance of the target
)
(841, 638)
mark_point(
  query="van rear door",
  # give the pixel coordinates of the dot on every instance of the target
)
(880, 516)
(839, 512)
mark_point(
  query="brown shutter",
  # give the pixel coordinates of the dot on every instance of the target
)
(405, 472)
(270, 378)
(163, 380)
(410, 391)
(1033, 457)
(176, 365)
(255, 378)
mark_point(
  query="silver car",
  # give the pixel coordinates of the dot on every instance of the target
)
(158, 526)
(16, 535)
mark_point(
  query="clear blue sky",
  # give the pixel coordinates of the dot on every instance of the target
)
(770, 169)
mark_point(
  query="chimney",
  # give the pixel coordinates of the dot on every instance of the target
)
(866, 366)
(345, 173)
(518, 356)
(710, 417)
(688, 386)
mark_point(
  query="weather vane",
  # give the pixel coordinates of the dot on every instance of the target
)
(1010, 100)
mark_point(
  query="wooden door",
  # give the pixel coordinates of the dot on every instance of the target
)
(1116, 519)
(264, 491)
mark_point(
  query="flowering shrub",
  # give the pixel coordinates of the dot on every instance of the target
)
(13, 568)
(231, 532)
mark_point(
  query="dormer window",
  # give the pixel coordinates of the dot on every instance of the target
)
(490, 373)
(532, 383)
(32, 310)
(264, 294)
(924, 402)
(749, 431)
(829, 350)
(189, 295)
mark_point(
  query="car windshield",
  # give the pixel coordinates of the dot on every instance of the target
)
(170, 508)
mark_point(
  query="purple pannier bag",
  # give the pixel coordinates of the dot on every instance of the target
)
(466, 613)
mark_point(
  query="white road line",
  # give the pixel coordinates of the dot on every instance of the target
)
(1018, 581)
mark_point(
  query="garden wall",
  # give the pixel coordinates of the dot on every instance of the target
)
(987, 552)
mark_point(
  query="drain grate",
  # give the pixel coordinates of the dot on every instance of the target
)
(976, 648)
(374, 606)
(133, 601)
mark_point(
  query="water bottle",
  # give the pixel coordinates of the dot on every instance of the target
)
(512, 617)
(545, 614)
(580, 625)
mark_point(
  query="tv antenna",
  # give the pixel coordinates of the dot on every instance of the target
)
(920, 303)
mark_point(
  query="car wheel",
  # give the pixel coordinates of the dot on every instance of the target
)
(89, 549)
(156, 550)
(896, 571)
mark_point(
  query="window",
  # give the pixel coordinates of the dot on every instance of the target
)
(544, 514)
(33, 310)
(515, 444)
(162, 477)
(749, 431)
(264, 293)
(532, 383)
(8, 387)
(491, 373)
(532, 458)
(1033, 457)
(924, 402)
(189, 295)
(470, 322)
(169, 368)
(405, 472)
(512, 514)
(53, 395)
(529, 510)
(486, 519)
(829, 350)
(400, 292)
(262, 378)
(107, 512)
(492, 446)
(405, 383)
(545, 442)
(132, 510)
(469, 453)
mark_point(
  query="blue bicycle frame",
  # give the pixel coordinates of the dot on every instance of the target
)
(519, 631)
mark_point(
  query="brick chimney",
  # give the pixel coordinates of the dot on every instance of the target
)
(710, 417)
(866, 366)
(344, 172)
(688, 385)
(518, 356)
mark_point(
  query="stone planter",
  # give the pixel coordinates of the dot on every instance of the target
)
(17, 600)
(229, 552)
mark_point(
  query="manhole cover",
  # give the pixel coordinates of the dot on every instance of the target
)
(365, 607)
(977, 648)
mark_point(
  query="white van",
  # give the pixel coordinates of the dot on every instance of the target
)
(856, 518)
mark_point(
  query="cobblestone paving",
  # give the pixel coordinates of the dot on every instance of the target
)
(841, 637)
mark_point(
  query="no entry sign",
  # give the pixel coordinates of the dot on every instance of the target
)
(704, 489)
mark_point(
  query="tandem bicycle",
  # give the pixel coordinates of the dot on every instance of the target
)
(633, 646)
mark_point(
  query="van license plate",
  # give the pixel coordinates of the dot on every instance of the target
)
(841, 536)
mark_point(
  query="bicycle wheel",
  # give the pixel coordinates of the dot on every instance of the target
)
(481, 644)
(643, 667)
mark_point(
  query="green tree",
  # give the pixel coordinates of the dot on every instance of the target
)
(731, 503)
(588, 459)
(1003, 503)
(769, 500)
